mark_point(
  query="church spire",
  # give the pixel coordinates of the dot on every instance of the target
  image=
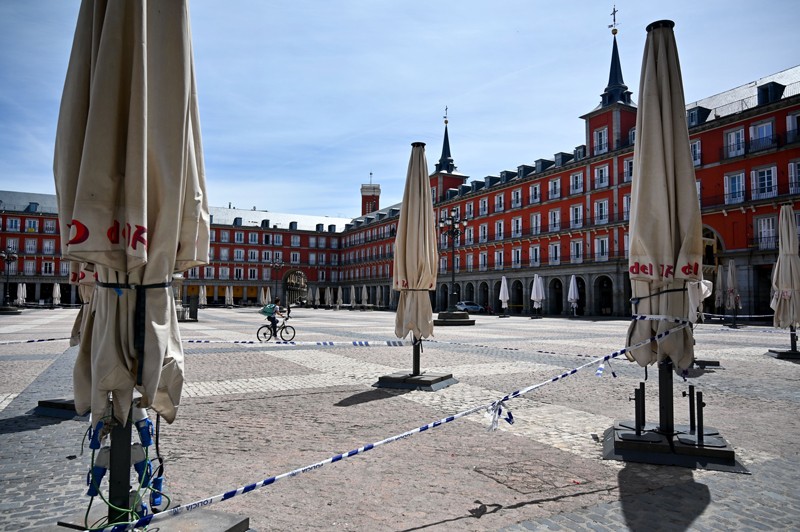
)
(445, 163)
(616, 91)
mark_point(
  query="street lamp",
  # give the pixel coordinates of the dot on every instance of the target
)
(452, 226)
(276, 264)
(8, 256)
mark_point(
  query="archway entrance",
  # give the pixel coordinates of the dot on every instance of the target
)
(483, 295)
(603, 296)
(555, 297)
(469, 292)
(517, 300)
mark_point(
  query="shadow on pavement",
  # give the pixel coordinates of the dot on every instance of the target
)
(369, 396)
(25, 422)
(673, 499)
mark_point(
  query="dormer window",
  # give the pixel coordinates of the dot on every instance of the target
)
(600, 140)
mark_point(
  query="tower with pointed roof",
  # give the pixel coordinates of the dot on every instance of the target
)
(445, 176)
(611, 125)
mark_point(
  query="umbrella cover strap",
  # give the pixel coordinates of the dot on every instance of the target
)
(636, 300)
(138, 318)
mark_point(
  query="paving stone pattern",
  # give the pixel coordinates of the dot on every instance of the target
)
(250, 411)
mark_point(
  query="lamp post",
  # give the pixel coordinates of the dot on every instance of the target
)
(453, 226)
(276, 265)
(8, 256)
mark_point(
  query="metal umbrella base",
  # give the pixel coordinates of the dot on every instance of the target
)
(455, 317)
(427, 382)
(694, 445)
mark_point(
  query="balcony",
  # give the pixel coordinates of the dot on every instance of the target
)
(762, 143)
(765, 243)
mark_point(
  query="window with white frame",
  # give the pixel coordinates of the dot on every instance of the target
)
(193, 273)
(468, 210)
(533, 255)
(267, 239)
(252, 274)
(208, 273)
(734, 142)
(469, 262)
(11, 268)
(576, 216)
(50, 226)
(761, 136)
(554, 253)
(601, 248)
(499, 203)
(516, 227)
(764, 182)
(64, 268)
(312, 241)
(266, 256)
(224, 236)
(468, 235)
(632, 136)
(278, 256)
(555, 220)
(312, 258)
(443, 264)
(48, 247)
(238, 237)
(483, 206)
(536, 223)
(252, 255)
(433, 194)
(535, 193)
(295, 241)
(277, 240)
(498, 230)
(238, 273)
(483, 233)
(626, 245)
(601, 212)
(29, 267)
(626, 206)
(321, 257)
(627, 170)
(212, 235)
(696, 153)
(294, 257)
(266, 274)
(601, 176)
(322, 240)
(224, 254)
(13, 244)
(576, 183)
(48, 267)
(31, 225)
(600, 140)
(457, 263)
(252, 237)
(734, 188)
(334, 259)
(516, 198)
(554, 189)
(30, 246)
(321, 275)
(482, 261)
(516, 258)
(498, 259)
(12, 224)
(767, 236)
(794, 177)
(792, 123)
(576, 251)
(238, 254)
(224, 272)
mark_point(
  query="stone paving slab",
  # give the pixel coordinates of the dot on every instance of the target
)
(253, 411)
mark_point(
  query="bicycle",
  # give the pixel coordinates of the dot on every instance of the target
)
(286, 332)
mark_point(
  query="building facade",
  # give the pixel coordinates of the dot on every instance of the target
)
(556, 217)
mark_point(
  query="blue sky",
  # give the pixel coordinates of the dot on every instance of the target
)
(300, 100)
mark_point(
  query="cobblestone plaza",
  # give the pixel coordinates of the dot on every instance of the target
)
(250, 411)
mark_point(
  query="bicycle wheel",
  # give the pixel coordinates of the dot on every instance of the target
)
(287, 333)
(264, 333)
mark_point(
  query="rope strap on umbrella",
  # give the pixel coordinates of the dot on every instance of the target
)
(139, 318)
(636, 300)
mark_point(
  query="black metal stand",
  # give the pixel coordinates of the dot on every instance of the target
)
(792, 353)
(119, 471)
(697, 447)
(416, 380)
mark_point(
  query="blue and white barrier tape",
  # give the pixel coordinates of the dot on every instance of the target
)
(493, 407)
(10, 342)
(351, 343)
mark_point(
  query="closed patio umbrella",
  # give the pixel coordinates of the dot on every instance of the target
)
(22, 293)
(504, 297)
(268, 295)
(573, 296)
(130, 184)
(56, 294)
(352, 295)
(339, 301)
(364, 295)
(202, 299)
(786, 280)
(262, 297)
(379, 297)
(537, 292)
(229, 296)
(719, 290)
(316, 296)
(732, 299)
(666, 244)
(415, 254)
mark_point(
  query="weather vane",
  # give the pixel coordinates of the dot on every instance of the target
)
(614, 24)
(370, 178)
(445, 115)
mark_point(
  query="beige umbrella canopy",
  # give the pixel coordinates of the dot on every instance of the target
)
(364, 295)
(732, 299)
(504, 297)
(316, 296)
(202, 299)
(56, 294)
(665, 227)
(573, 296)
(268, 296)
(718, 289)
(22, 293)
(328, 296)
(415, 251)
(262, 297)
(130, 183)
(339, 296)
(786, 274)
(352, 295)
(537, 292)
(229, 296)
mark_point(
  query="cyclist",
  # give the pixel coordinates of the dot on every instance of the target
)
(271, 310)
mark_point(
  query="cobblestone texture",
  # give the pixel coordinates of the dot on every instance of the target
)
(250, 411)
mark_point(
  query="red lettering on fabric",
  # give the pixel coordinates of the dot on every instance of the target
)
(138, 237)
(81, 232)
(113, 233)
(690, 269)
(73, 277)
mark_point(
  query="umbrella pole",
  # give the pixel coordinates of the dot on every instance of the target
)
(666, 414)
(416, 345)
(793, 338)
(119, 480)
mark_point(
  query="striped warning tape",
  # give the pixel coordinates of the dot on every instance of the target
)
(351, 343)
(493, 408)
(37, 340)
